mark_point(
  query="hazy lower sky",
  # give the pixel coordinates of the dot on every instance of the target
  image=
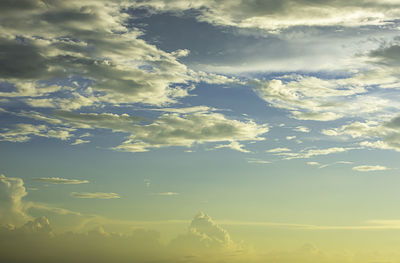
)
(200, 131)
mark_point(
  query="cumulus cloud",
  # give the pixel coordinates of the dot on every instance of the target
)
(16, 211)
(96, 245)
(58, 180)
(96, 195)
(204, 236)
(12, 207)
(369, 168)
(205, 241)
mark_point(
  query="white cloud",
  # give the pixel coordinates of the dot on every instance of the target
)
(385, 135)
(58, 180)
(234, 145)
(312, 98)
(276, 15)
(186, 110)
(166, 193)
(23, 132)
(95, 46)
(204, 236)
(79, 141)
(171, 129)
(12, 207)
(147, 182)
(369, 168)
(257, 161)
(278, 150)
(302, 129)
(96, 195)
(305, 154)
(186, 130)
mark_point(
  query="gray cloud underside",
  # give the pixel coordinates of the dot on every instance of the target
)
(89, 40)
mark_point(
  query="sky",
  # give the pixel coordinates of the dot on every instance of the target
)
(200, 131)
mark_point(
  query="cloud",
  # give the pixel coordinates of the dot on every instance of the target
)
(369, 168)
(302, 129)
(170, 129)
(257, 161)
(79, 141)
(12, 207)
(166, 193)
(91, 42)
(205, 241)
(96, 245)
(16, 211)
(314, 98)
(384, 135)
(97, 195)
(186, 110)
(305, 154)
(23, 132)
(277, 15)
(278, 150)
(147, 183)
(204, 236)
(387, 55)
(57, 180)
(234, 145)
(186, 130)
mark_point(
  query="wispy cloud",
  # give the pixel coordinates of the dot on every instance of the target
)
(79, 141)
(370, 168)
(305, 154)
(58, 180)
(257, 161)
(166, 193)
(278, 150)
(97, 195)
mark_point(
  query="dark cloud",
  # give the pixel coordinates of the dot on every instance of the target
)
(21, 59)
(387, 55)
